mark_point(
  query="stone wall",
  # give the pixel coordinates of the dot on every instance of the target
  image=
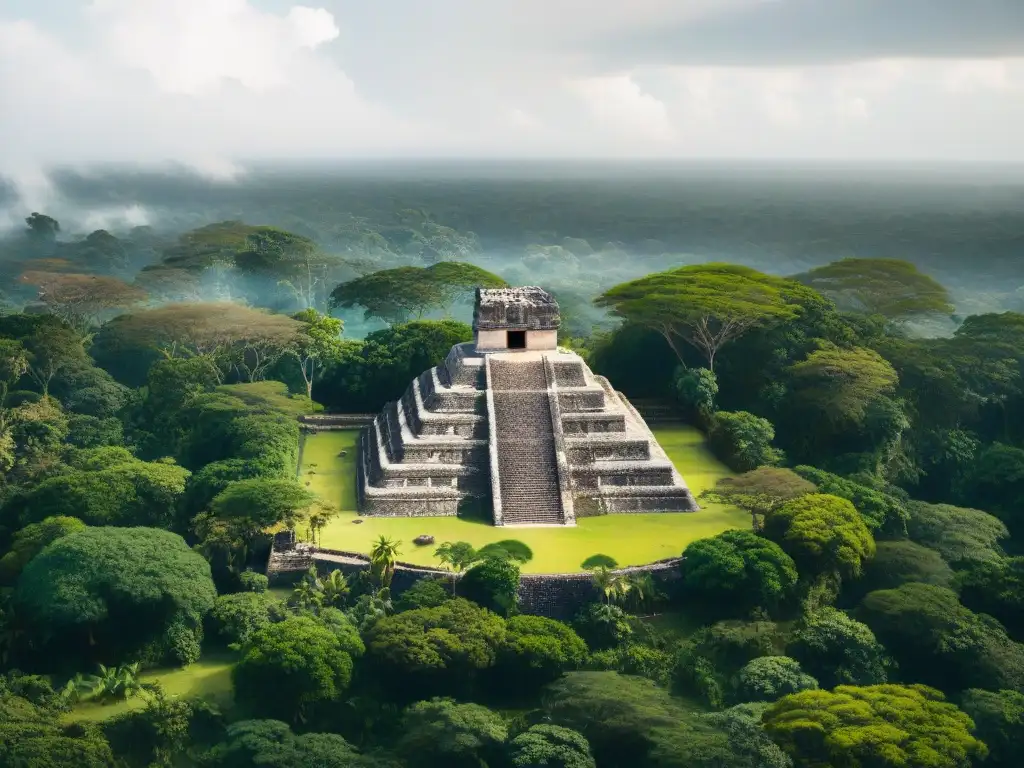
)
(555, 595)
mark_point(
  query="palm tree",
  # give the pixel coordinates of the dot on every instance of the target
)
(457, 556)
(335, 589)
(308, 593)
(383, 558)
(114, 682)
(641, 588)
(612, 586)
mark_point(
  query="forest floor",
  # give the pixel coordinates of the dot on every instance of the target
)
(208, 679)
(630, 539)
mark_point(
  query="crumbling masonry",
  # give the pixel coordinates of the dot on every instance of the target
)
(513, 419)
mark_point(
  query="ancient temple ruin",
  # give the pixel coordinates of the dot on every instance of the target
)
(517, 424)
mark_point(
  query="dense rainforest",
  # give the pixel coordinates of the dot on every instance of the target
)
(870, 616)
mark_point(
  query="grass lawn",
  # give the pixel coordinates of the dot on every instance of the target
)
(209, 678)
(630, 539)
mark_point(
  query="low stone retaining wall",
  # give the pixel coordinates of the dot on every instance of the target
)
(327, 422)
(555, 595)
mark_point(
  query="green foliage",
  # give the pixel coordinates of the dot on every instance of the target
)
(493, 584)
(736, 571)
(838, 650)
(743, 440)
(892, 288)
(602, 625)
(632, 723)
(899, 562)
(250, 581)
(956, 533)
(823, 534)
(434, 649)
(881, 511)
(696, 390)
(937, 641)
(272, 744)
(635, 659)
(537, 650)
(236, 618)
(112, 488)
(367, 375)
(708, 660)
(759, 491)
(443, 732)
(704, 305)
(395, 295)
(156, 735)
(457, 556)
(888, 726)
(94, 432)
(290, 667)
(31, 540)
(995, 481)
(550, 746)
(999, 722)
(838, 385)
(109, 592)
(769, 678)
(425, 593)
(33, 736)
(992, 587)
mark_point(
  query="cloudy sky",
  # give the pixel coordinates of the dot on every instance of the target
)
(211, 83)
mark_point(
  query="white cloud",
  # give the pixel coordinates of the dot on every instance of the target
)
(620, 107)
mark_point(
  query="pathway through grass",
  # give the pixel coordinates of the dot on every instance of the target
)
(630, 539)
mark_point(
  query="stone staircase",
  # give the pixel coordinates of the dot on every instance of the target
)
(528, 474)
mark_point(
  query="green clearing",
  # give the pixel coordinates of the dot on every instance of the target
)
(209, 679)
(630, 539)
(273, 395)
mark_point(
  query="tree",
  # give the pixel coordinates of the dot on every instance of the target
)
(939, 642)
(743, 440)
(956, 533)
(550, 746)
(611, 585)
(603, 625)
(759, 491)
(537, 650)
(31, 540)
(704, 305)
(712, 656)
(892, 288)
(838, 650)
(881, 511)
(13, 365)
(230, 334)
(42, 227)
(238, 617)
(900, 562)
(51, 348)
(888, 726)
(272, 744)
(442, 732)
(494, 584)
(383, 559)
(632, 723)
(999, 723)
(769, 678)
(395, 295)
(113, 592)
(425, 593)
(992, 587)
(737, 571)
(120, 491)
(318, 343)
(839, 385)
(33, 735)
(696, 390)
(80, 300)
(822, 533)
(289, 667)
(435, 649)
(457, 556)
